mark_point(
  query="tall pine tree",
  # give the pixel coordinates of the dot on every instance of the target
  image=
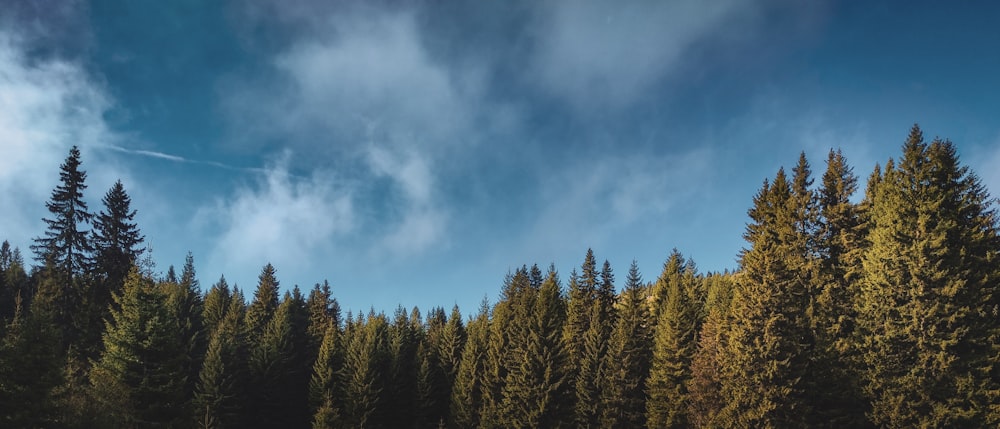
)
(923, 316)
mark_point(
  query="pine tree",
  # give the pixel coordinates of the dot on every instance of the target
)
(326, 394)
(365, 366)
(323, 310)
(450, 352)
(629, 359)
(219, 396)
(674, 345)
(117, 240)
(29, 368)
(705, 400)
(839, 243)
(500, 350)
(140, 377)
(404, 337)
(432, 387)
(186, 299)
(768, 350)
(264, 304)
(467, 392)
(14, 283)
(271, 372)
(296, 397)
(215, 306)
(923, 317)
(65, 242)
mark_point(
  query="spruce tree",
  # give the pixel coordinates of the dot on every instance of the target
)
(365, 366)
(323, 310)
(768, 348)
(839, 245)
(271, 372)
(218, 398)
(140, 377)
(216, 303)
(674, 345)
(264, 304)
(924, 316)
(705, 400)
(66, 243)
(29, 368)
(326, 395)
(117, 240)
(629, 358)
(467, 392)
(450, 352)
(404, 338)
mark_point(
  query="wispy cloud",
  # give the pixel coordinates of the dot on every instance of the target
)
(48, 106)
(279, 218)
(180, 159)
(599, 54)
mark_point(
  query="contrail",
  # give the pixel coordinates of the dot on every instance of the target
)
(175, 158)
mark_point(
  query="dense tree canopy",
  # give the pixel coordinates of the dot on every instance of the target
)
(871, 311)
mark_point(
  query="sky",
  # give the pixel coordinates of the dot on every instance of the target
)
(414, 153)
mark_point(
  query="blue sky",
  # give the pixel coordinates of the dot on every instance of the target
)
(414, 152)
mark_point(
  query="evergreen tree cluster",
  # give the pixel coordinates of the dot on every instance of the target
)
(873, 311)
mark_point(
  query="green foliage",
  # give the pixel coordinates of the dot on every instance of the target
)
(270, 366)
(264, 304)
(29, 369)
(215, 306)
(326, 394)
(768, 341)
(674, 344)
(629, 359)
(365, 370)
(924, 321)
(879, 313)
(470, 380)
(117, 242)
(218, 398)
(140, 377)
(66, 243)
(705, 400)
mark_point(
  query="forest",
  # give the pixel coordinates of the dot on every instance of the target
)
(871, 310)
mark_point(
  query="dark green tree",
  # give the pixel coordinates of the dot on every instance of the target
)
(924, 316)
(66, 242)
(29, 369)
(769, 340)
(215, 306)
(365, 366)
(674, 344)
(705, 399)
(117, 241)
(271, 374)
(218, 398)
(629, 359)
(467, 392)
(404, 338)
(140, 378)
(326, 395)
(264, 304)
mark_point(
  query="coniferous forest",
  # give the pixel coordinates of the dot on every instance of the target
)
(874, 307)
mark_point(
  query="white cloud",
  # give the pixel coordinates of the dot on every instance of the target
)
(588, 203)
(596, 53)
(281, 219)
(362, 91)
(422, 221)
(364, 75)
(48, 106)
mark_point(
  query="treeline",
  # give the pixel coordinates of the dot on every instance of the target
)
(879, 313)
